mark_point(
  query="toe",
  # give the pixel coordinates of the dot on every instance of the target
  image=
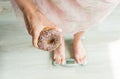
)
(63, 60)
(58, 60)
(80, 60)
(83, 59)
(77, 59)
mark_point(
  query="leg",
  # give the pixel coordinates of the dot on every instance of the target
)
(59, 53)
(79, 51)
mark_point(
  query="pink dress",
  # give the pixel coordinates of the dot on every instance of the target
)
(74, 15)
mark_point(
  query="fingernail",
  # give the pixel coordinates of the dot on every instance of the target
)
(60, 30)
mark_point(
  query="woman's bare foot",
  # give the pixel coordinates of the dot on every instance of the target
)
(79, 51)
(59, 53)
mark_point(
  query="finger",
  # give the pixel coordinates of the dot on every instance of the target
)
(60, 30)
(27, 25)
(36, 34)
(30, 32)
(56, 28)
(35, 38)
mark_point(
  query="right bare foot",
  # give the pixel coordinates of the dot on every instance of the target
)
(59, 53)
(79, 51)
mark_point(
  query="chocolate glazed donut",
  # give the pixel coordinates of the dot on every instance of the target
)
(49, 39)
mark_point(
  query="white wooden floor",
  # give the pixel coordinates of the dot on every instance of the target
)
(20, 60)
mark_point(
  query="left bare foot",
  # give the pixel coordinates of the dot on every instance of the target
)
(59, 53)
(79, 51)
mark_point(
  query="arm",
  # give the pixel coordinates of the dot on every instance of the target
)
(27, 6)
(34, 19)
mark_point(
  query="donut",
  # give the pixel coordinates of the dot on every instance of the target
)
(49, 39)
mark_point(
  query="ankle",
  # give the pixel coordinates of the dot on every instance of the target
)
(79, 35)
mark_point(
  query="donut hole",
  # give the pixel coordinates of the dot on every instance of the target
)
(51, 41)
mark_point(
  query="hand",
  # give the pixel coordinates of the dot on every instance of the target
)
(35, 23)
